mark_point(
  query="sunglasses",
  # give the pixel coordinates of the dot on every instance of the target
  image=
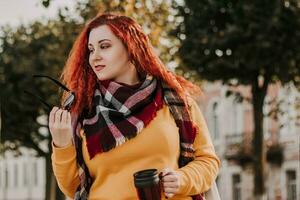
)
(67, 103)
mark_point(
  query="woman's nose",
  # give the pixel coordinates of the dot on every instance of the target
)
(96, 55)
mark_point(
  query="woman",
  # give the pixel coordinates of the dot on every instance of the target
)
(130, 114)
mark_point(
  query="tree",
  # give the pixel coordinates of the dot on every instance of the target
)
(42, 48)
(252, 43)
(155, 17)
(37, 49)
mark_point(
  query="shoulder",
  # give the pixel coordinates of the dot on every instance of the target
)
(194, 109)
(192, 103)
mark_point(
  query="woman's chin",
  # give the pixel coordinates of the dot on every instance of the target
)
(102, 78)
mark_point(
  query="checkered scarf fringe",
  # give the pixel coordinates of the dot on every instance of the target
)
(132, 108)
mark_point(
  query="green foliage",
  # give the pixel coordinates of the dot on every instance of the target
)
(225, 40)
(36, 49)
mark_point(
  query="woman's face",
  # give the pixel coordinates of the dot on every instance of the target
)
(108, 57)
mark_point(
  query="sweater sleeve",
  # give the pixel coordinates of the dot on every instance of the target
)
(198, 175)
(65, 169)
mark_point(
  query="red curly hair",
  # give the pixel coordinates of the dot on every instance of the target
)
(80, 78)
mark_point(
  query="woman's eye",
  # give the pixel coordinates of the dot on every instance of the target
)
(104, 46)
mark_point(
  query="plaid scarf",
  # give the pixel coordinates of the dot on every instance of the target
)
(119, 113)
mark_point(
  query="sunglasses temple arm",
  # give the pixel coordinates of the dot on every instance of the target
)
(39, 98)
(54, 80)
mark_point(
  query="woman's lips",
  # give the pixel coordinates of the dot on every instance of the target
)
(99, 67)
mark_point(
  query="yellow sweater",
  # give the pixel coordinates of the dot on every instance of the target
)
(156, 146)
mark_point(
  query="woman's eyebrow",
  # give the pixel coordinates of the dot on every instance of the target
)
(99, 42)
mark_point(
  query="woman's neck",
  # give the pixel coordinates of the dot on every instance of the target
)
(131, 78)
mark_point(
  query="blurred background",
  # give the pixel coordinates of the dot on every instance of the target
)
(245, 55)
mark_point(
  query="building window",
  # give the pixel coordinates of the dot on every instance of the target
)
(266, 118)
(6, 177)
(215, 121)
(1, 175)
(35, 173)
(288, 118)
(235, 118)
(25, 174)
(16, 175)
(291, 184)
(236, 187)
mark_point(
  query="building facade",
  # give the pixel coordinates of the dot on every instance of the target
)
(231, 125)
(22, 177)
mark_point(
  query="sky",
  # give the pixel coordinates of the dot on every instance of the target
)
(15, 12)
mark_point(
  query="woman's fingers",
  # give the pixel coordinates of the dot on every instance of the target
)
(58, 116)
(64, 117)
(170, 181)
(166, 171)
(169, 178)
(52, 115)
(69, 118)
(60, 127)
(169, 195)
(171, 184)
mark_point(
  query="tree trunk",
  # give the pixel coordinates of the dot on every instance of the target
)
(258, 96)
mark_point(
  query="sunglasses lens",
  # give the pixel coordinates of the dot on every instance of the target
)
(69, 101)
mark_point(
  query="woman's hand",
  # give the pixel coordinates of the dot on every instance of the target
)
(60, 127)
(171, 182)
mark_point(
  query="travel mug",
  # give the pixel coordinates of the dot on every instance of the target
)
(148, 185)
